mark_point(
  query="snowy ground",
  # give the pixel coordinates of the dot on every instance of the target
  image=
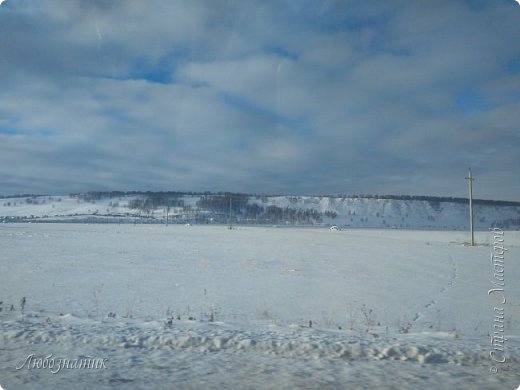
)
(207, 307)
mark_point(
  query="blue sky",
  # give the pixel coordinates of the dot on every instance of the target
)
(297, 97)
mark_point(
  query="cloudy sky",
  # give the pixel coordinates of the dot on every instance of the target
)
(286, 96)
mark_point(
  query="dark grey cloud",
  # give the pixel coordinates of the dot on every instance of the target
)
(270, 97)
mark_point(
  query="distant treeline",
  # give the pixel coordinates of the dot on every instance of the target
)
(20, 196)
(220, 200)
(241, 197)
(241, 210)
(439, 199)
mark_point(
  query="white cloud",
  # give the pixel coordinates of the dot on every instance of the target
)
(276, 97)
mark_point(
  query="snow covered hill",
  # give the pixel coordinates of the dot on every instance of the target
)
(343, 211)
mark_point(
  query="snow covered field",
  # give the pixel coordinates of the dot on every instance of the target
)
(207, 307)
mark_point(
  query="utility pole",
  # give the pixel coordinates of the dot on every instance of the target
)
(230, 208)
(167, 210)
(470, 185)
